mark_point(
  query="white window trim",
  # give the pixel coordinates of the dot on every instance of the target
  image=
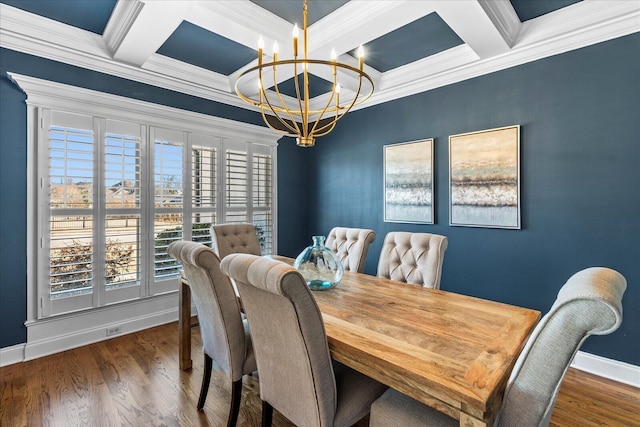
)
(45, 94)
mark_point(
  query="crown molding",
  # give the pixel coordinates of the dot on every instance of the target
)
(47, 94)
(196, 76)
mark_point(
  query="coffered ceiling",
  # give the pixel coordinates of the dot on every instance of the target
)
(200, 47)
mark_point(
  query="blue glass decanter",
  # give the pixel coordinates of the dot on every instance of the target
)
(319, 266)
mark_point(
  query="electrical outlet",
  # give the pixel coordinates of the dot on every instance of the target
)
(114, 331)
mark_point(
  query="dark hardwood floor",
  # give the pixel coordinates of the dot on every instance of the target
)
(134, 380)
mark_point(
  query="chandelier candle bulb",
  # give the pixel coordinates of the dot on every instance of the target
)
(260, 49)
(295, 40)
(360, 57)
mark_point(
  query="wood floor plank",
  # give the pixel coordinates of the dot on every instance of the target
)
(13, 389)
(136, 380)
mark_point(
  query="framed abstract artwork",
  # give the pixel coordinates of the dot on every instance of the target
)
(484, 178)
(408, 182)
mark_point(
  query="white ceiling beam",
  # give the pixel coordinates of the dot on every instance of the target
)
(155, 21)
(472, 23)
(504, 17)
(361, 21)
(122, 18)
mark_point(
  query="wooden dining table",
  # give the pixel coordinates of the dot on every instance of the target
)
(449, 351)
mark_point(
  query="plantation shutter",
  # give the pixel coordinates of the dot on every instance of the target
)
(168, 204)
(262, 206)
(69, 184)
(204, 187)
(236, 175)
(123, 202)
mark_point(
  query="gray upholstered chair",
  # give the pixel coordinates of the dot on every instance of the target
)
(234, 238)
(225, 335)
(297, 376)
(413, 258)
(351, 245)
(589, 303)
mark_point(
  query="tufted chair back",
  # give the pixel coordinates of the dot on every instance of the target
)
(351, 245)
(234, 238)
(413, 258)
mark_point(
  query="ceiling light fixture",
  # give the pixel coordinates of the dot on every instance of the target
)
(302, 117)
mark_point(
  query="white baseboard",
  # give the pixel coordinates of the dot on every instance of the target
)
(607, 368)
(11, 355)
(49, 336)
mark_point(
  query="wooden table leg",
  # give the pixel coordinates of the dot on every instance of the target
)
(184, 326)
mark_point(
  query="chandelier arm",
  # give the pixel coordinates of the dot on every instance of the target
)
(297, 85)
(323, 130)
(284, 106)
(324, 110)
(293, 129)
(354, 102)
(280, 131)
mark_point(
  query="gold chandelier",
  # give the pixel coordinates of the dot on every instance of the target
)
(302, 117)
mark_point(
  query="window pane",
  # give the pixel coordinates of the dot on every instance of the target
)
(236, 217)
(264, 229)
(167, 229)
(168, 174)
(261, 180)
(70, 167)
(122, 171)
(236, 178)
(201, 228)
(122, 251)
(70, 255)
(203, 176)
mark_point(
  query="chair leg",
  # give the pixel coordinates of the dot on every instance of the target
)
(267, 414)
(236, 396)
(206, 378)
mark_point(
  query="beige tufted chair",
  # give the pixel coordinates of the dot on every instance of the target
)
(234, 238)
(297, 376)
(351, 245)
(590, 303)
(225, 335)
(413, 258)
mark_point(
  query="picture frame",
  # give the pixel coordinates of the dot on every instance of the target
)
(408, 182)
(484, 178)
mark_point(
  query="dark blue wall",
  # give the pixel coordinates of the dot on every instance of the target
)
(295, 195)
(580, 171)
(580, 118)
(13, 164)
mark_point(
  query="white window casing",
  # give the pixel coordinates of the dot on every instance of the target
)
(138, 169)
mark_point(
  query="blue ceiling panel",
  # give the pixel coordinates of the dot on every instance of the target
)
(291, 10)
(89, 15)
(419, 39)
(317, 86)
(529, 9)
(197, 46)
